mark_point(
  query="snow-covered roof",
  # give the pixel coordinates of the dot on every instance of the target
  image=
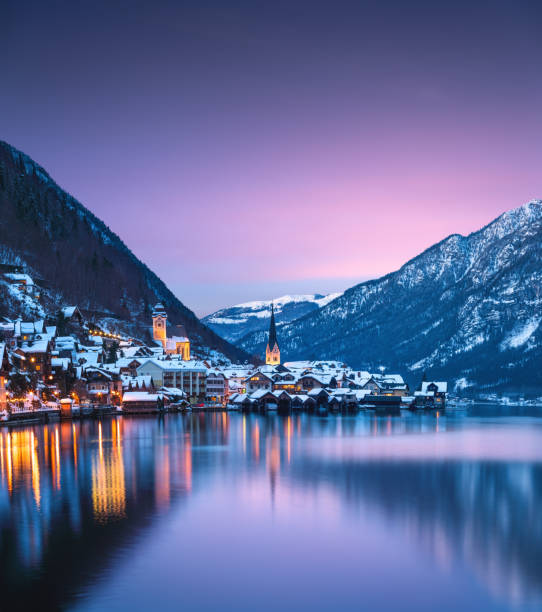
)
(442, 387)
(172, 391)
(259, 394)
(69, 311)
(20, 278)
(314, 392)
(301, 398)
(39, 346)
(139, 396)
(60, 362)
(174, 365)
(90, 357)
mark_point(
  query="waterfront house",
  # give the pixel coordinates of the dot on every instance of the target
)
(215, 387)
(141, 402)
(438, 389)
(190, 376)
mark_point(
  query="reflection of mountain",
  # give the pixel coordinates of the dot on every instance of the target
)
(485, 512)
(74, 495)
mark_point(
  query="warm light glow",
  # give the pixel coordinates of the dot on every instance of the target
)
(108, 482)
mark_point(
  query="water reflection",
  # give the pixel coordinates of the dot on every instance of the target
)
(463, 489)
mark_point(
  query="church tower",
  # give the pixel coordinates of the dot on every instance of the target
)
(272, 352)
(159, 321)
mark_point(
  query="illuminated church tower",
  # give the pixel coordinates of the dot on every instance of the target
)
(159, 321)
(272, 352)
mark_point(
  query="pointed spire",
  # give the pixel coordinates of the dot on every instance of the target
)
(272, 329)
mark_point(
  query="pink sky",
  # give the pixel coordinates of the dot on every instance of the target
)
(251, 151)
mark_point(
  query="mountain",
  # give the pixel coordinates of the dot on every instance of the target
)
(467, 310)
(76, 259)
(237, 321)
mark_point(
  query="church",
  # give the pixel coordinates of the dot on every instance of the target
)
(176, 345)
(272, 351)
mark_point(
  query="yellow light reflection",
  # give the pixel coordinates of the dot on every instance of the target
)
(35, 471)
(108, 481)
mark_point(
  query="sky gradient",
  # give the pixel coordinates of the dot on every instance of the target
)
(244, 150)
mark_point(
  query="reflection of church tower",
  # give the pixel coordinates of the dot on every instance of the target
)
(272, 352)
(159, 321)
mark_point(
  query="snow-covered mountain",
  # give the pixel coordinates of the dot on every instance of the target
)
(252, 317)
(76, 259)
(467, 309)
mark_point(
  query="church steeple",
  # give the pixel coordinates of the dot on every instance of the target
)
(272, 351)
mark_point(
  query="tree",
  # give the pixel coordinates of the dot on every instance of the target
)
(61, 323)
(111, 356)
(19, 384)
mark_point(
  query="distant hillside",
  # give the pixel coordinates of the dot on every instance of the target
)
(79, 260)
(235, 322)
(468, 309)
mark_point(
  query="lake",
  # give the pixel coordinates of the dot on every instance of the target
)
(225, 511)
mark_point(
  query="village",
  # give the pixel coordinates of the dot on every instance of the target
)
(69, 367)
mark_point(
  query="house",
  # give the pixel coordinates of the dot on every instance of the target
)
(73, 315)
(134, 402)
(103, 387)
(317, 381)
(137, 383)
(439, 390)
(24, 283)
(235, 379)
(37, 356)
(259, 381)
(190, 376)
(215, 387)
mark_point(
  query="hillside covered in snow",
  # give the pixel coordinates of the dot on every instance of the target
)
(467, 310)
(74, 258)
(253, 317)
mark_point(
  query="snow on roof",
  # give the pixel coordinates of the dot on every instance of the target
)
(124, 362)
(172, 391)
(317, 392)
(442, 387)
(139, 396)
(175, 365)
(60, 362)
(301, 397)
(258, 394)
(240, 372)
(89, 357)
(21, 278)
(40, 346)
(69, 311)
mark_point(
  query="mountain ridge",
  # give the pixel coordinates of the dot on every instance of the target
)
(234, 322)
(46, 231)
(449, 310)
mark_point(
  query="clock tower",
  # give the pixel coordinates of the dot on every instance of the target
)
(159, 322)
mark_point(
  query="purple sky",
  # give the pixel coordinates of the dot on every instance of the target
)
(244, 150)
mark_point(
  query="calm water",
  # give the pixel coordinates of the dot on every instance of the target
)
(232, 512)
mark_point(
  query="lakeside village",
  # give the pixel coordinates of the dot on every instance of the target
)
(69, 367)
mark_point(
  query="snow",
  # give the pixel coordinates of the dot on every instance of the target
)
(139, 396)
(521, 334)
